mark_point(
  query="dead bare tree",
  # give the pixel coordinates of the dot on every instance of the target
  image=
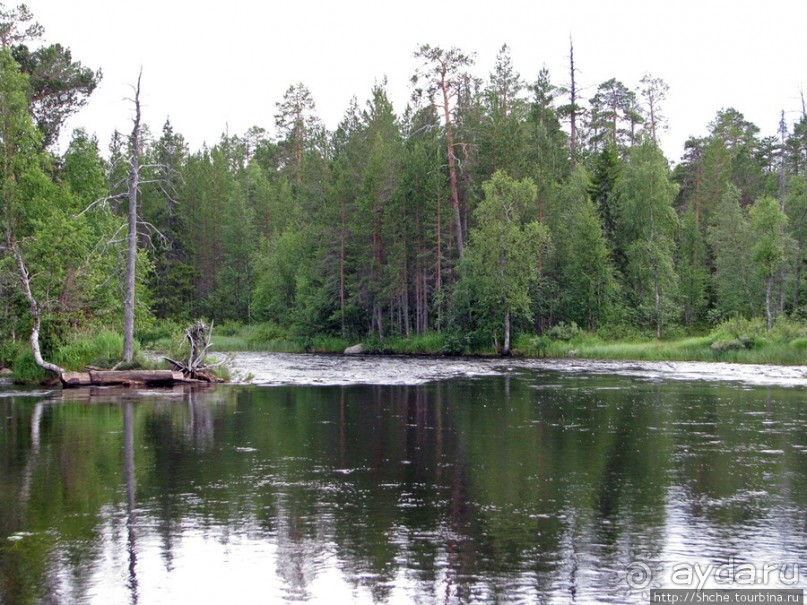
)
(198, 337)
(33, 306)
(131, 251)
(572, 104)
(136, 226)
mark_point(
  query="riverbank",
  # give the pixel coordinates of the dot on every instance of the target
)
(734, 341)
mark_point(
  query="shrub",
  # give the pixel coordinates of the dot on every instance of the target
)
(158, 330)
(265, 332)
(25, 370)
(453, 344)
(564, 331)
(8, 353)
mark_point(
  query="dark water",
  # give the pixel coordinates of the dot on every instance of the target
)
(523, 486)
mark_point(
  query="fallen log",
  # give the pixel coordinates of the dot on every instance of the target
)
(120, 378)
(123, 377)
(76, 379)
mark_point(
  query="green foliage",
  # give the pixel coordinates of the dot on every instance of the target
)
(503, 255)
(158, 332)
(9, 351)
(692, 271)
(102, 349)
(767, 228)
(737, 287)
(453, 344)
(582, 256)
(648, 224)
(563, 331)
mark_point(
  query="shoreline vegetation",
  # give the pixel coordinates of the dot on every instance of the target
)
(734, 341)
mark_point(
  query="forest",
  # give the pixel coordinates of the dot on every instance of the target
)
(490, 208)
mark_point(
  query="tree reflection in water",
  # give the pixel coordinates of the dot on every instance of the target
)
(509, 488)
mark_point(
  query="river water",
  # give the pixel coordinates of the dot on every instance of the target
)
(327, 479)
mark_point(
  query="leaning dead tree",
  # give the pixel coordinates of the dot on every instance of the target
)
(198, 338)
(35, 311)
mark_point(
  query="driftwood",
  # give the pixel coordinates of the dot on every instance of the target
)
(125, 378)
(193, 372)
(198, 337)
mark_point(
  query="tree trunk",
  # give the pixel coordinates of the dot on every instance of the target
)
(34, 308)
(573, 112)
(438, 286)
(342, 269)
(506, 347)
(452, 167)
(658, 305)
(768, 311)
(797, 286)
(131, 255)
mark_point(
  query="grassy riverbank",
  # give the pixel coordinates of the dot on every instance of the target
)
(737, 340)
(101, 350)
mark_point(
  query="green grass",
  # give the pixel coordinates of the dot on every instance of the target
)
(736, 341)
(102, 350)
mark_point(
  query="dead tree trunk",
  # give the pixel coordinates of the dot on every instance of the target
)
(35, 312)
(131, 256)
(198, 337)
(506, 349)
(573, 106)
(452, 167)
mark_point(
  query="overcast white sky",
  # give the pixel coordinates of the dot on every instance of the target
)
(211, 65)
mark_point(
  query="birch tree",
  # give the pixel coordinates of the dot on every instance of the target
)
(504, 254)
(770, 245)
(647, 225)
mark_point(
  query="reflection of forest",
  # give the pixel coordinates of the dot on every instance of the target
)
(489, 489)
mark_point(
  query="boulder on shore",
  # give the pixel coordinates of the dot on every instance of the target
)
(355, 350)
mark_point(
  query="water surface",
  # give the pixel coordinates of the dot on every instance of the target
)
(450, 481)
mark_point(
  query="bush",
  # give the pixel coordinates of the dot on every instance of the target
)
(799, 344)
(25, 370)
(735, 344)
(265, 332)
(158, 330)
(453, 344)
(564, 331)
(538, 346)
(620, 331)
(102, 350)
(230, 328)
(8, 353)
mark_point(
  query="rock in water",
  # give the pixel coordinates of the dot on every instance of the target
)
(355, 350)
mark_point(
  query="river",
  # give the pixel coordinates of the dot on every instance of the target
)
(327, 479)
